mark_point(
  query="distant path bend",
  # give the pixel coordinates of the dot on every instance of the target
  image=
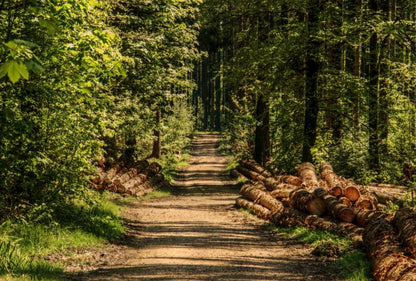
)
(197, 234)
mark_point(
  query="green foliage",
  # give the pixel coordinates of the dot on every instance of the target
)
(263, 51)
(23, 243)
(352, 264)
(82, 79)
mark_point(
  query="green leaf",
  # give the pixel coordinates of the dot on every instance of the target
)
(3, 69)
(16, 70)
(23, 71)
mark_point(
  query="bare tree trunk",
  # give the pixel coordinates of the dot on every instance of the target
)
(312, 69)
(157, 143)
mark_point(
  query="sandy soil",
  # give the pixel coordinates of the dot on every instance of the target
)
(197, 234)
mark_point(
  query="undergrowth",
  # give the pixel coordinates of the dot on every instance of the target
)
(352, 264)
(25, 242)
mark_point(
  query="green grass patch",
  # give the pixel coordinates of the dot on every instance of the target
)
(163, 192)
(247, 212)
(76, 224)
(172, 163)
(352, 264)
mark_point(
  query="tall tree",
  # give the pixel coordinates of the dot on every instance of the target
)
(312, 64)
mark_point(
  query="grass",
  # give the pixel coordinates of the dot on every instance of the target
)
(76, 224)
(163, 192)
(352, 264)
(172, 163)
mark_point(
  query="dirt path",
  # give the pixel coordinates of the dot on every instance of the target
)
(197, 234)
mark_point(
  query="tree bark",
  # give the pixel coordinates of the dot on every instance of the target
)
(373, 104)
(157, 143)
(312, 70)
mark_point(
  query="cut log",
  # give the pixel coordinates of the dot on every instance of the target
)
(237, 175)
(290, 217)
(388, 261)
(254, 166)
(307, 173)
(337, 191)
(289, 179)
(352, 192)
(405, 222)
(303, 200)
(338, 210)
(281, 193)
(271, 184)
(327, 173)
(251, 175)
(363, 217)
(385, 195)
(257, 209)
(392, 186)
(261, 197)
(111, 174)
(345, 201)
(366, 202)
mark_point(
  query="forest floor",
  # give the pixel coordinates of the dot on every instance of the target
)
(198, 234)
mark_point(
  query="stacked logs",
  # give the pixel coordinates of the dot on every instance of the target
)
(336, 204)
(138, 180)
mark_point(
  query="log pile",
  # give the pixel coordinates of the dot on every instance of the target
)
(336, 204)
(138, 180)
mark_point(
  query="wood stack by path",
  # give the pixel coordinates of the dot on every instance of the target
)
(138, 180)
(336, 204)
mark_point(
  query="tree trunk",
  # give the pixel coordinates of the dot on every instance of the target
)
(387, 258)
(157, 143)
(373, 105)
(218, 96)
(312, 70)
(307, 174)
(262, 133)
(404, 220)
(303, 200)
(335, 207)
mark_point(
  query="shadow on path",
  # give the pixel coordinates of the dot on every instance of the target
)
(197, 234)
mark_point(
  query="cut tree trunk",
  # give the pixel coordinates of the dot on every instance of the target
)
(254, 166)
(405, 222)
(387, 258)
(303, 200)
(257, 209)
(281, 193)
(261, 197)
(352, 193)
(291, 217)
(252, 175)
(337, 191)
(289, 179)
(366, 202)
(345, 201)
(327, 173)
(236, 175)
(306, 172)
(271, 184)
(338, 210)
(363, 217)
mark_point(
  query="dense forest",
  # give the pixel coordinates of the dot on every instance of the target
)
(293, 81)
(82, 80)
(114, 83)
(284, 81)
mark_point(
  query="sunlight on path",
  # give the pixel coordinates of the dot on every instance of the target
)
(199, 235)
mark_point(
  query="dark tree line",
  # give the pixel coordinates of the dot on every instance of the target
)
(311, 80)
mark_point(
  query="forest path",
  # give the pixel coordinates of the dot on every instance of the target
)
(197, 234)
